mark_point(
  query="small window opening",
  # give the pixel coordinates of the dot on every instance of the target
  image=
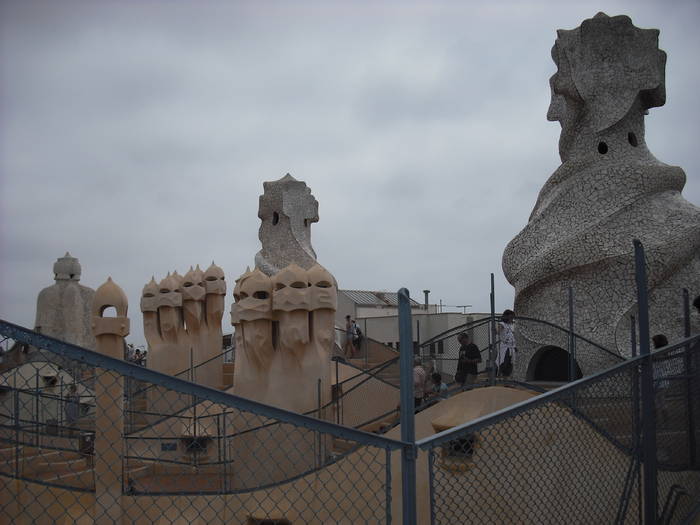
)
(275, 218)
(72, 275)
(602, 148)
(461, 448)
(632, 138)
(49, 380)
(261, 295)
(306, 223)
(109, 311)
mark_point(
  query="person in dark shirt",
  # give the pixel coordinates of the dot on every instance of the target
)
(467, 362)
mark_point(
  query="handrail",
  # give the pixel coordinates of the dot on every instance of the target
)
(460, 328)
(205, 393)
(369, 371)
(552, 395)
(364, 336)
(582, 338)
(132, 435)
(186, 371)
(479, 322)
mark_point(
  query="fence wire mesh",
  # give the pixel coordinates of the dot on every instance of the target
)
(86, 437)
(575, 455)
(125, 444)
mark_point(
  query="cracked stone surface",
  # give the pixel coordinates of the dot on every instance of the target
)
(63, 310)
(287, 209)
(609, 190)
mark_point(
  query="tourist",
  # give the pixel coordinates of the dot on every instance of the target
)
(138, 358)
(72, 406)
(349, 348)
(696, 304)
(467, 361)
(356, 337)
(505, 359)
(419, 377)
(439, 388)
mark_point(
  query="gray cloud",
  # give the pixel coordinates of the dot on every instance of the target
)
(137, 135)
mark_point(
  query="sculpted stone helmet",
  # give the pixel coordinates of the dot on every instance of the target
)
(323, 289)
(214, 281)
(605, 67)
(168, 291)
(253, 295)
(291, 290)
(193, 285)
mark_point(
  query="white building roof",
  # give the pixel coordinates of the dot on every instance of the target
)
(374, 298)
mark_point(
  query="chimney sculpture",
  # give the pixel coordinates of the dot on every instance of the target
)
(609, 190)
(109, 403)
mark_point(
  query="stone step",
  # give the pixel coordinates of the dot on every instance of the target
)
(50, 460)
(340, 446)
(79, 474)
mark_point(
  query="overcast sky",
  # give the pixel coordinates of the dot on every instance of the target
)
(137, 135)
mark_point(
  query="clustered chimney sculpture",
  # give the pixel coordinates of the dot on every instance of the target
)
(182, 323)
(284, 308)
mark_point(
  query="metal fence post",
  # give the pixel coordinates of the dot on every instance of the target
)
(492, 346)
(408, 431)
(648, 408)
(337, 394)
(37, 410)
(17, 426)
(572, 346)
(572, 365)
(636, 418)
(689, 380)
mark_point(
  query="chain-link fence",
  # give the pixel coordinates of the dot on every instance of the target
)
(72, 450)
(575, 455)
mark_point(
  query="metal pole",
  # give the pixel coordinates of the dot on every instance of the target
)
(572, 373)
(692, 456)
(648, 408)
(635, 405)
(572, 347)
(417, 346)
(364, 342)
(225, 450)
(492, 346)
(17, 426)
(337, 394)
(431, 484)
(37, 408)
(408, 430)
(319, 436)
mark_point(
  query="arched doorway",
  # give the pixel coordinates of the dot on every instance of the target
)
(551, 363)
